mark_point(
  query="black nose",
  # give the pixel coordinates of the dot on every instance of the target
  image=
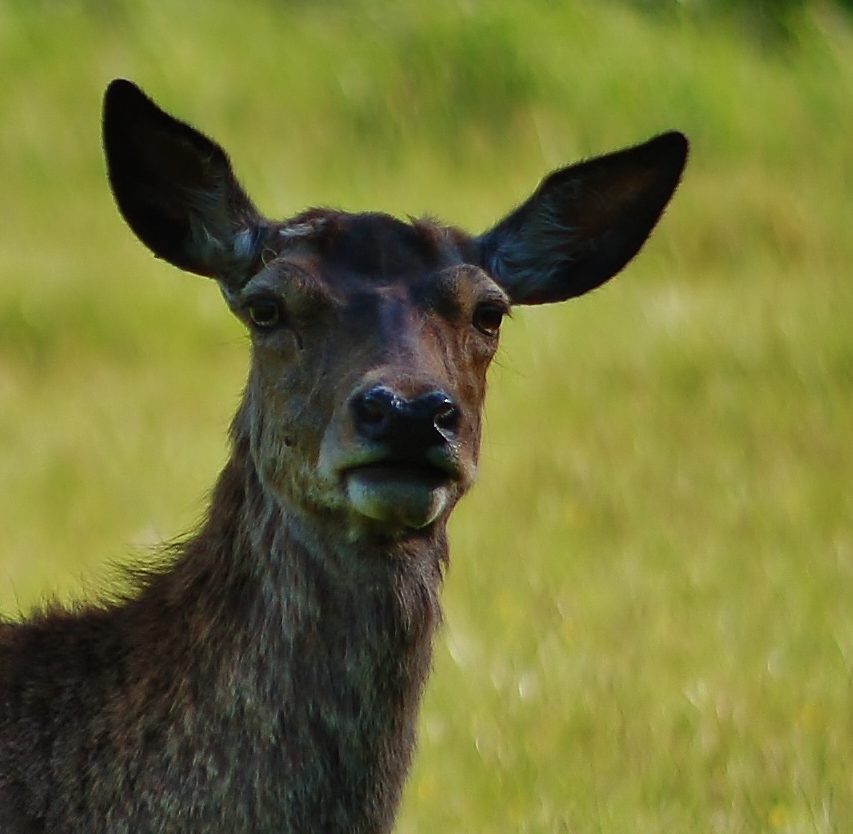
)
(405, 425)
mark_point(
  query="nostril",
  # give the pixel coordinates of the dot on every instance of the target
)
(447, 417)
(373, 412)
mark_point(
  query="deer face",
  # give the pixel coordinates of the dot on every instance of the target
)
(371, 340)
(372, 337)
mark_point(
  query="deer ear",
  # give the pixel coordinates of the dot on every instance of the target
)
(584, 222)
(176, 190)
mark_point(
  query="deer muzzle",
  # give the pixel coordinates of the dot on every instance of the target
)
(406, 468)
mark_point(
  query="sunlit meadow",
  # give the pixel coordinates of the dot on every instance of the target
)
(649, 615)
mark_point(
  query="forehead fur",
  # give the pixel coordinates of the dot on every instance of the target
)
(377, 244)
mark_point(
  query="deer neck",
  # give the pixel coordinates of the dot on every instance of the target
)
(322, 649)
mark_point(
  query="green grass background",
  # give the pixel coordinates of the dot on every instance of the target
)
(649, 618)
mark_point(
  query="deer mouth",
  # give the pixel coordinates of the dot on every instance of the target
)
(400, 493)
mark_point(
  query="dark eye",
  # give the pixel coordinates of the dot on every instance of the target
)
(488, 317)
(265, 313)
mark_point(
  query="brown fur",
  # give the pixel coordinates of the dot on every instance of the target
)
(267, 678)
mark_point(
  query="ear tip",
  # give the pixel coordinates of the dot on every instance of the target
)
(678, 140)
(673, 145)
(120, 89)
(122, 96)
(118, 84)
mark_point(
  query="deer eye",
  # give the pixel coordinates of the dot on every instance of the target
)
(265, 313)
(488, 317)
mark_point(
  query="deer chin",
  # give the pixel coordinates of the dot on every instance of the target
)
(398, 495)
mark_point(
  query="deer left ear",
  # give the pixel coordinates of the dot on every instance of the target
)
(584, 223)
(175, 188)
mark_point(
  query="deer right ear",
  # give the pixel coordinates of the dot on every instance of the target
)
(176, 189)
(584, 223)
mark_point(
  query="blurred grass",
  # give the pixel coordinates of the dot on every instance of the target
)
(648, 617)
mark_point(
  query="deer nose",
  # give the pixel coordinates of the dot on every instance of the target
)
(381, 415)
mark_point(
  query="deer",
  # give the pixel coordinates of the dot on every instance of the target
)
(267, 676)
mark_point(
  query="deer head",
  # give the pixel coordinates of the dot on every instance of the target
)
(371, 337)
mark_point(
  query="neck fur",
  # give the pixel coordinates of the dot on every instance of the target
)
(313, 651)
